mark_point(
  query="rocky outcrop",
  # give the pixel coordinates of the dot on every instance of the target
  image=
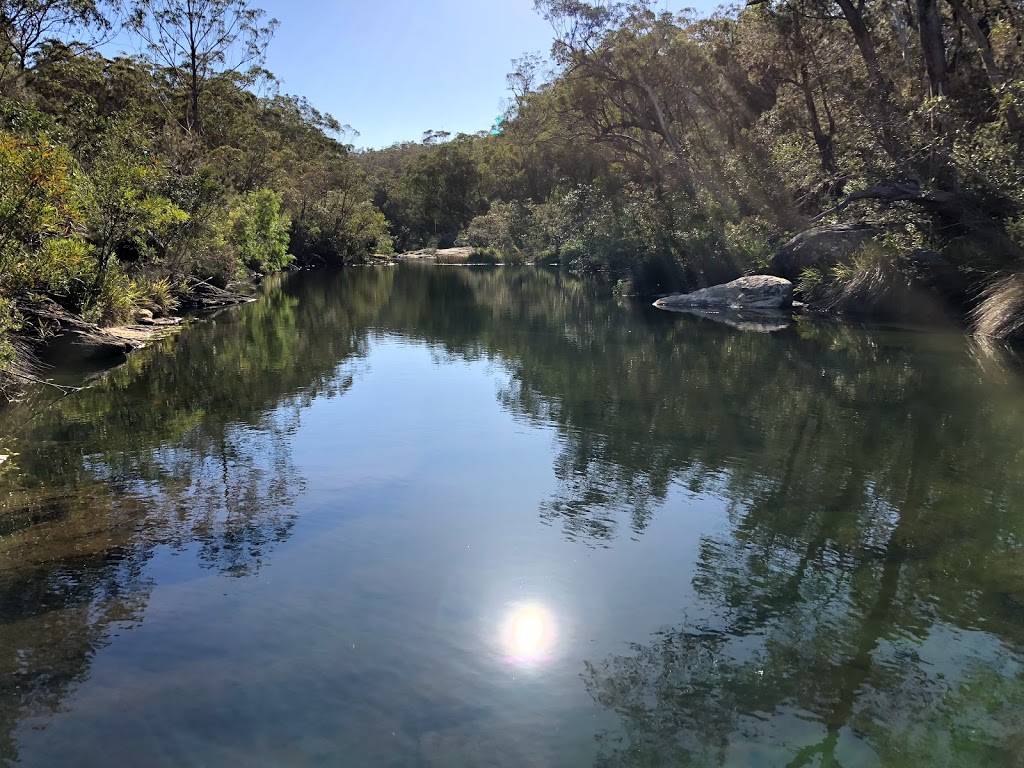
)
(203, 296)
(755, 293)
(821, 248)
(65, 330)
(64, 336)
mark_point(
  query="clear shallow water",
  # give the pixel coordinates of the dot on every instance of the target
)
(466, 517)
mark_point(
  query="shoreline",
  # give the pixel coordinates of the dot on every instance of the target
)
(53, 337)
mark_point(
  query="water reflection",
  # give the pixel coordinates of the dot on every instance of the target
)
(185, 450)
(529, 634)
(828, 519)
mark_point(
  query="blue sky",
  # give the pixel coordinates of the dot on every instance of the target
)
(393, 69)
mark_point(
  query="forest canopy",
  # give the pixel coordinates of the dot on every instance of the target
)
(671, 151)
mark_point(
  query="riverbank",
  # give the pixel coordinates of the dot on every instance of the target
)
(450, 256)
(52, 335)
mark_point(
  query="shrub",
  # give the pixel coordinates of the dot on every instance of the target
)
(160, 295)
(259, 231)
(117, 299)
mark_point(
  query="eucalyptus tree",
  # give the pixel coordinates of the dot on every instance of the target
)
(25, 25)
(195, 41)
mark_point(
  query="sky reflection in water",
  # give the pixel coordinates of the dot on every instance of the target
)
(529, 634)
(443, 517)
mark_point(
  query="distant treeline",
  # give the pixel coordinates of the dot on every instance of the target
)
(671, 151)
(677, 151)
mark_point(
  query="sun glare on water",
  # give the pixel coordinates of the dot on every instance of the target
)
(529, 633)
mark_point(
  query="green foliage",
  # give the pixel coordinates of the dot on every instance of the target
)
(198, 41)
(160, 295)
(259, 231)
(116, 298)
(110, 201)
(340, 235)
(867, 280)
(126, 213)
(675, 151)
(810, 285)
(40, 206)
(36, 195)
(9, 323)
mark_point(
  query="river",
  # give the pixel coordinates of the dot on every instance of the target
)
(454, 516)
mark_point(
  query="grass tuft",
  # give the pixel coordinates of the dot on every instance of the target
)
(1001, 312)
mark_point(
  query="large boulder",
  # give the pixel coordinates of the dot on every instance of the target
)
(821, 248)
(756, 293)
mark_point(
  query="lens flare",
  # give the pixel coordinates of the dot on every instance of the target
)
(528, 633)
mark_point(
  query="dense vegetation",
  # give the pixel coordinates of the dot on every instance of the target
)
(671, 151)
(124, 180)
(679, 151)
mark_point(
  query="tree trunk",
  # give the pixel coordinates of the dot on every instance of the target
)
(933, 47)
(995, 75)
(823, 140)
(881, 110)
(195, 123)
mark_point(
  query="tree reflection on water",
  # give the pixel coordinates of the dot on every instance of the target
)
(864, 602)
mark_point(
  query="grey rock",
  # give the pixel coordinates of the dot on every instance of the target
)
(821, 248)
(755, 293)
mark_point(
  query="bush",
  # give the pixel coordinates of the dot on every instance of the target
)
(160, 295)
(327, 237)
(118, 298)
(259, 231)
(9, 322)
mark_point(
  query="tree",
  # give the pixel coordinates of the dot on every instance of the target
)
(125, 211)
(259, 231)
(27, 24)
(198, 40)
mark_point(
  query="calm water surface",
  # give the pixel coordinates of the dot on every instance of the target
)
(489, 517)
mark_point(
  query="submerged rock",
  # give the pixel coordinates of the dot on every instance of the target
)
(755, 293)
(821, 248)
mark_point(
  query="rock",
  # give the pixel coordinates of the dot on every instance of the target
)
(755, 293)
(72, 336)
(103, 345)
(143, 317)
(202, 296)
(821, 248)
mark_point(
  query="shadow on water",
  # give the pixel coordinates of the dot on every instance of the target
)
(863, 601)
